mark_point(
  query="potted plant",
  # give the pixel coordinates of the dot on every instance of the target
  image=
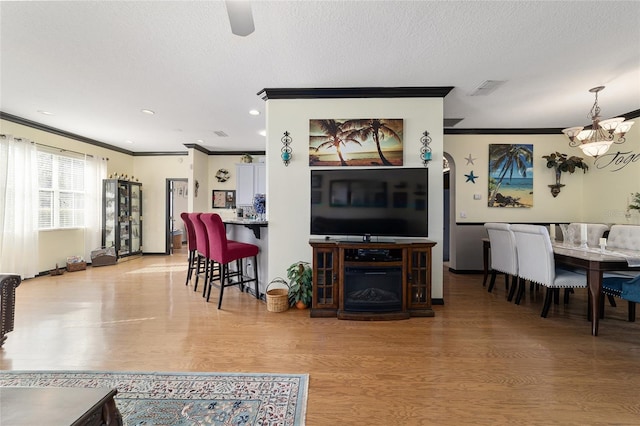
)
(300, 280)
(562, 163)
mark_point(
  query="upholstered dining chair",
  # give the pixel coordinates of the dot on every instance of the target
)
(203, 252)
(503, 254)
(224, 252)
(625, 237)
(626, 288)
(536, 264)
(192, 259)
(595, 231)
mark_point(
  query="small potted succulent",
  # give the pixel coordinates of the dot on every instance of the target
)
(300, 280)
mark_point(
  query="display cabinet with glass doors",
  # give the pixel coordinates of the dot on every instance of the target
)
(122, 217)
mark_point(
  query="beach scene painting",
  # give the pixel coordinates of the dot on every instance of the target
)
(510, 175)
(356, 142)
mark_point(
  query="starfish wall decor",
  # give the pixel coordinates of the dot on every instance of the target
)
(470, 160)
(471, 177)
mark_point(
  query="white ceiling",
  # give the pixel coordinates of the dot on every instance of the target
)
(96, 64)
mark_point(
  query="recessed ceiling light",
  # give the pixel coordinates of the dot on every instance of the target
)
(45, 112)
(148, 111)
(254, 112)
(199, 141)
(262, 133)
(129, 142)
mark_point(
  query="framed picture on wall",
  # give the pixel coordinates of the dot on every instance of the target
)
(366, 142)
(223, 199)
(510, 175)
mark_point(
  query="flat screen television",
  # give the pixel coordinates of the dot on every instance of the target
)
(375, 202)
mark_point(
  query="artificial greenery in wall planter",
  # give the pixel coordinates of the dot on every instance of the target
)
(562, 163)
(635, 201)
(633, 205)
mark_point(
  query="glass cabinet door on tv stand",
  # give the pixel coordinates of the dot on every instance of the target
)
(122, 217)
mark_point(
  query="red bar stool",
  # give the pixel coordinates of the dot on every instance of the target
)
(191, 244)
(225, 251)
(202, 247)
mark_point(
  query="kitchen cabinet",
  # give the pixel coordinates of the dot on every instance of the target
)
(251, 179)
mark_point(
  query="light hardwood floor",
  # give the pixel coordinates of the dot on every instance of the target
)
(480, 360)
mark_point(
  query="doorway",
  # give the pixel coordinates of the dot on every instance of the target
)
(448, 191)
(177, 202)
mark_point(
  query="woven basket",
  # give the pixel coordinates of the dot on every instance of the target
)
(76, 266)
(277, 298)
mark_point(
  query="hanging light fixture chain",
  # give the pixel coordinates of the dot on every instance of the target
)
(594, 114)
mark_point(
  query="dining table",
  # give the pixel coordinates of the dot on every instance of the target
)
(593, 260)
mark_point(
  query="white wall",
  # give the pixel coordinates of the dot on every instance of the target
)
(567, 206)
(609, 184)
(199, 172)
(217, 162)
(288, 188)
(599, 195)
(153, 172)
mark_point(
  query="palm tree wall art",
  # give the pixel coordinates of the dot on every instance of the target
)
(510, 175)
(356, 142)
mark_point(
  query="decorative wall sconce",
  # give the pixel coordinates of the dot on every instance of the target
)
(425, 149)
(286, 151)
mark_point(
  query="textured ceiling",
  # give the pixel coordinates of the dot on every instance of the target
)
(96, 64)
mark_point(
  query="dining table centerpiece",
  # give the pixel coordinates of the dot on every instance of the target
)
(561, 163)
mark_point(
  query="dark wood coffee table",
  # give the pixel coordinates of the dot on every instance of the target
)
(58, 406)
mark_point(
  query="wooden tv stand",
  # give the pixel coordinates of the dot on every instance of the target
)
(332, 257)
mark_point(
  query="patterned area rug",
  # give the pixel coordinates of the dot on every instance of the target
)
(187, 398)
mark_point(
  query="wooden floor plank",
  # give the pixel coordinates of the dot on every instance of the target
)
(480, 360)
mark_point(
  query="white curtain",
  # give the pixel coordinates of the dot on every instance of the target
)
(18, 207)
(95, 170)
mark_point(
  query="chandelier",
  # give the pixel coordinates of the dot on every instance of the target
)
(597, 140)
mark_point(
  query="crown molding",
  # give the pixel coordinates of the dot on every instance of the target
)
(55, 131)
(544, 131)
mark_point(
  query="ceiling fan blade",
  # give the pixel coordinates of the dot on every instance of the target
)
(240, 17)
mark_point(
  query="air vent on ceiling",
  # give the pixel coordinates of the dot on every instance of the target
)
(220, 133)
(487, 87)
(450, 122)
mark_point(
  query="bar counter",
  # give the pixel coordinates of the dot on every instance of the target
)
(252, 231)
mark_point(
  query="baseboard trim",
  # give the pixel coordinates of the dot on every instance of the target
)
(466, 271)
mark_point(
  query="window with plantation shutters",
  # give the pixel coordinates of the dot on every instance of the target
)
(61, 193)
